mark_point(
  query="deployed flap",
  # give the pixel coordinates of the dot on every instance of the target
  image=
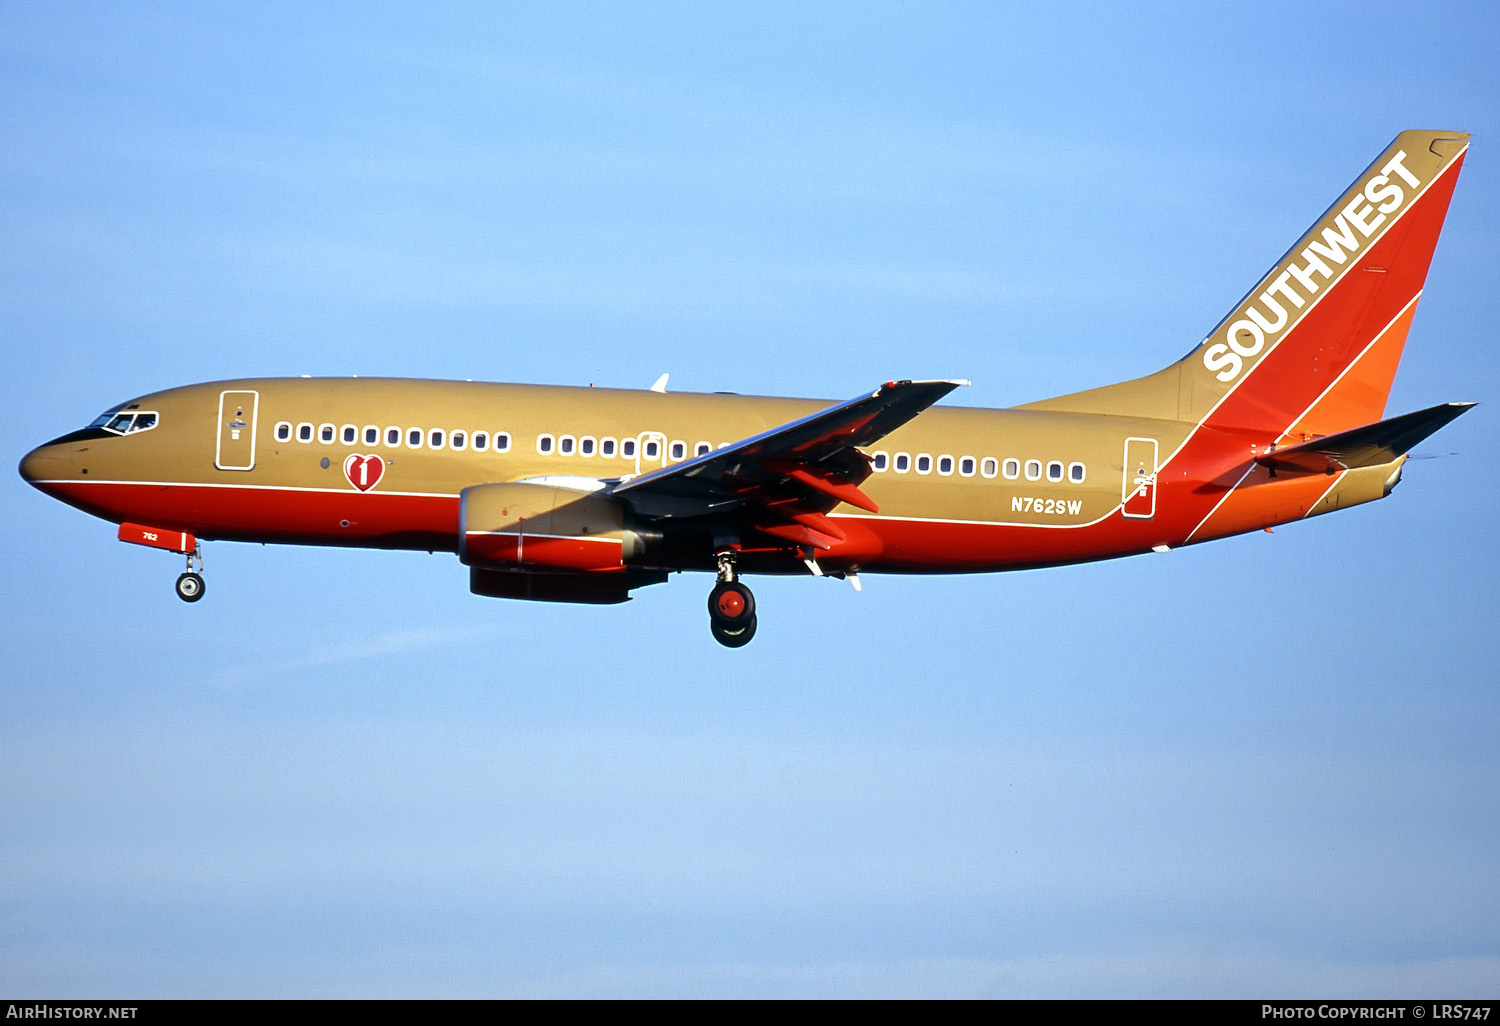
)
(808, 465)
(1364, 446)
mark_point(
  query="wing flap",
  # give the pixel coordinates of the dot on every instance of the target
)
(835, 487)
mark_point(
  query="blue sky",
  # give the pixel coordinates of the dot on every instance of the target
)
(1261, 766)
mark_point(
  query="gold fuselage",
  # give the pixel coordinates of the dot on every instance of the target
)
(980, 489)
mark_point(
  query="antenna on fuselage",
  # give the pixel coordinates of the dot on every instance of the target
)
(661, 383)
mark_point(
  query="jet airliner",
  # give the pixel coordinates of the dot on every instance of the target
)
(566, 494)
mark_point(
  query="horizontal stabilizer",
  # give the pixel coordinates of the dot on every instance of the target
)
(1365, 446)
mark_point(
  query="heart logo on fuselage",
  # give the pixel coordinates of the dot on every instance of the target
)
(364, 472)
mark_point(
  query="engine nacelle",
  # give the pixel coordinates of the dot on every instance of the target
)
(533, 524)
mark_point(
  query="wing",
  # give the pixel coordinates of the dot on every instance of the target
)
(1364, 446)
(785, 480)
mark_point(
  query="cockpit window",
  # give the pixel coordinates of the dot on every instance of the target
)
(125, 423)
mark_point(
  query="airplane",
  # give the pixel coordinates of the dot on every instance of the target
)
(574, 494)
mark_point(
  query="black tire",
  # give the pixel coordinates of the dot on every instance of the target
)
(731, 604)
(734, 637)
(190, 587)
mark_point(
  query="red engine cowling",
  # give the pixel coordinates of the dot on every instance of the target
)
(536, 525)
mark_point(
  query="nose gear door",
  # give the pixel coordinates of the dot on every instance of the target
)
(236, 448)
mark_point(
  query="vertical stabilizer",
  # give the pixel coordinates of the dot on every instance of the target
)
(1313, 347)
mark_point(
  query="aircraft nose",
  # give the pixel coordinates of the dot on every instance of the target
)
(41, 464)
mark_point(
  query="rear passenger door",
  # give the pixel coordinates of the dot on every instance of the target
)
(1139, 488)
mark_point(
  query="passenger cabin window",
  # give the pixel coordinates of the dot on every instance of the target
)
(966, 466)
(284, 431)
(393, 437)
(544, 444)
(1075, 472)
(1054, 471)
(924, 463)
(457, 440)
(1033, 470)
(435, 440)
(679, 450)
(702, 449)
(606, 447)
(903, 462)
(988, 467)
(945, 464)
(414, 438)
(325, 433)
(627, 448)
(502, 441)
(350, 434)
(586, 446)
(881, 461)
(372, 434)
(1012, 469)
(566, 445)
(304, 432)
(653, 449)
(480, 441)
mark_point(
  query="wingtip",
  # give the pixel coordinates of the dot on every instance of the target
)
(955, 382)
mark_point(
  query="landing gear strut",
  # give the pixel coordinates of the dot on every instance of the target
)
(731, 607)
(190, 586)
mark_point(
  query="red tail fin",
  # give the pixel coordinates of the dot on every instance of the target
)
(1313, 348)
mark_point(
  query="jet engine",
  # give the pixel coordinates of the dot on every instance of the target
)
(548, 542)
(543, 526)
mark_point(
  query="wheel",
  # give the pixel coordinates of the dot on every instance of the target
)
(734, 637)
(730, 604)
(190, 587)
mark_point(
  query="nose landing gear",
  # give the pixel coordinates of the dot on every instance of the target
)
(190, 586)
(731, 607)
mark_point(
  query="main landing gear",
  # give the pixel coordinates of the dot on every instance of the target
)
(731, 607)
(190, 586)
